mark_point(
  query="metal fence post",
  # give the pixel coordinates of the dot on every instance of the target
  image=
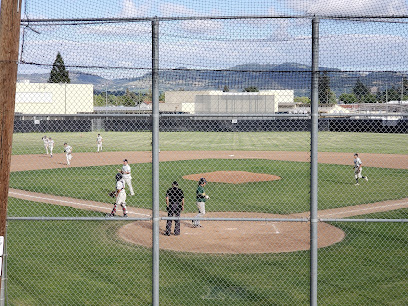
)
(313, 161)
(155, 162)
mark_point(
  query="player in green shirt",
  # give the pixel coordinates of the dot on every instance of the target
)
(201, 197)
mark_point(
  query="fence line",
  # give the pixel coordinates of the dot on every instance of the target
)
(156, 122)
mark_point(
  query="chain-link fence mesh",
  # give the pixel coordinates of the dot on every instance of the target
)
(234, 135)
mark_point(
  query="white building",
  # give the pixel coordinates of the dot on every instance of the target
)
(219, 102)
(52, 98)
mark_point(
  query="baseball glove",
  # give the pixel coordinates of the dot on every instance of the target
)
(112, 194)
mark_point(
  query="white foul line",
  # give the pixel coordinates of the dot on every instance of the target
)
(276, 228)
(69, 202)
(364, 209)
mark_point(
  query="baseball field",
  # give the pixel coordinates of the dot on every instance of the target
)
(93, 257)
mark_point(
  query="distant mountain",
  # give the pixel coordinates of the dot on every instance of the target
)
(76, 78)
(264, 76)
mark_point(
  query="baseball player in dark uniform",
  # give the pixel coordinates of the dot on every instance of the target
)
(174, 206)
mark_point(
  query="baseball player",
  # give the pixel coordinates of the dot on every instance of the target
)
(127, 177)
(174, 206)
(99, 142)
(68, 153)
(201, 197)
(45, 140)
(120, 196)
(358, 169)
(50, 145)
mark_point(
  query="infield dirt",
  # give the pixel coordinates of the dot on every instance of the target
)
(235, 237)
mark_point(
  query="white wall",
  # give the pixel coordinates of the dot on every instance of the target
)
(51, 98)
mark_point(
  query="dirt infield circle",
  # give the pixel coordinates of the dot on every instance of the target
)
(236, 237)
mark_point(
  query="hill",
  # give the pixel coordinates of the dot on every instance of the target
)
(264, 76)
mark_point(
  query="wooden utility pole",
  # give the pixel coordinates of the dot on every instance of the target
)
(10, 16)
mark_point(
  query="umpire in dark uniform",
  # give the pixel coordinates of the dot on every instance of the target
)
(174, 206)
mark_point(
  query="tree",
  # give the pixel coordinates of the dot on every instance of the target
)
(58, 72)
(393, 94)
(348, 98)
(162, 96)
(360, 90)
(303, 100)
(99, 100)
(404, 87)
(370, 98)
(324, 88)
(251, 89)
(128, 98)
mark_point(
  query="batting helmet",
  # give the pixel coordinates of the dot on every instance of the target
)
(118, 176)
(202, 181)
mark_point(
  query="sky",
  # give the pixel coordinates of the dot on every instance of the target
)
(216, 43)
(165, 8)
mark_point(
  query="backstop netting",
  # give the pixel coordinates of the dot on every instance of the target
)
(232, 103)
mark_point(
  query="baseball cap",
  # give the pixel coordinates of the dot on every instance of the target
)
(125, 160)
(175, 183)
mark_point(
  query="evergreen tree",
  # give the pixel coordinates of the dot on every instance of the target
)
(58, 72)
(360, 90)
(324, 88)
(404, 88)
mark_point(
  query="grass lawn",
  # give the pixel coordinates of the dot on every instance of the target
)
(288, 195)
(83, 263)
(31, 143)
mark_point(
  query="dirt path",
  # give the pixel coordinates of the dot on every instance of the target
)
(222, 236)
(42, 161)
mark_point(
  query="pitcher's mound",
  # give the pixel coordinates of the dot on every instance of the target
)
(232, 177)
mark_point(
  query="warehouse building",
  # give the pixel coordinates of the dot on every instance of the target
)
(219, 102)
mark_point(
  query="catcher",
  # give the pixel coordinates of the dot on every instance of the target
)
(120, 196)
(358, 169)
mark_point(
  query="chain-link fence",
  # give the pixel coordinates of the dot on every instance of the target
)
(210, 120)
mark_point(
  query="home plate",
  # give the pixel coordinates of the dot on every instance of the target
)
(232, 155)
(231, 229)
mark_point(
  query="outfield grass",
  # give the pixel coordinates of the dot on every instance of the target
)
(288, 195)
(31, 143)
(84, 263)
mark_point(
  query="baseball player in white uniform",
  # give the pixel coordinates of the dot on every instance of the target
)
(99, 142)
(127, 177)
(120, 196)
(45, 140)
(51, 145)
(358, 169)
(68, 153)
